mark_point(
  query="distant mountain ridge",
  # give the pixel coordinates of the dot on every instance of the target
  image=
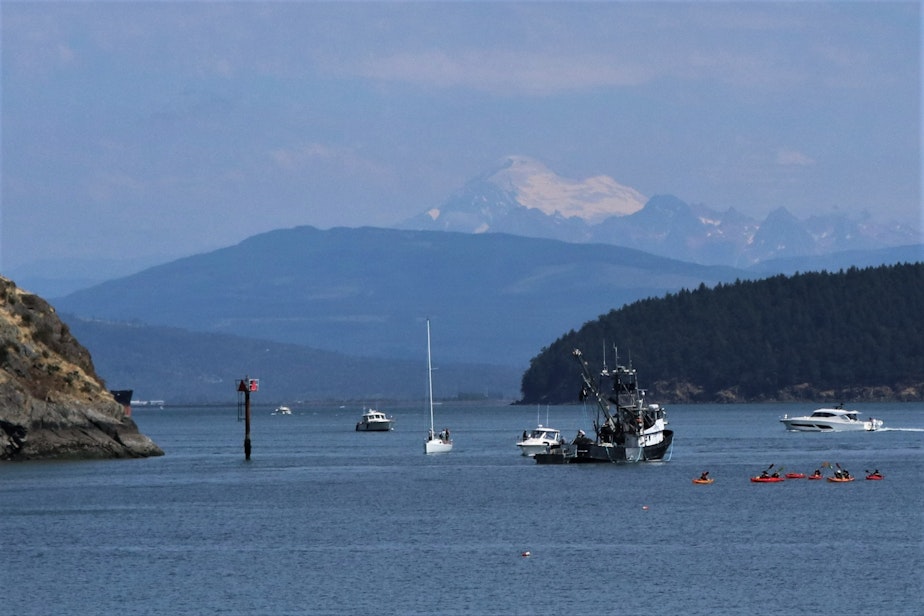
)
(340, 313)
(493, 298)
(523, 197)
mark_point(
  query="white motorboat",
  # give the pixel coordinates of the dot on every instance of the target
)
(837, 419)
(442, 442)
(282, 410)
(539, 440)
(374, 420)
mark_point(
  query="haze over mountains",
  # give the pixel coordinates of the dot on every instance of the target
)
(507, 265)
(493, 298)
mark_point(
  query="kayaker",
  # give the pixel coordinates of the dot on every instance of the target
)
(704, 476)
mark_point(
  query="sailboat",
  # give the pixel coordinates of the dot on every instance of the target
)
(435, 443)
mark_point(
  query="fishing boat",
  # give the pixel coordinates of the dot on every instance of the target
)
(442, 442)
(374, 420)
(627, 428)
(837, 419)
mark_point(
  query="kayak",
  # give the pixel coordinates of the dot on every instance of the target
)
(815, 477)
(840, 479)
(703, 481)
(795, 475)
(874, 477)
(766, 479)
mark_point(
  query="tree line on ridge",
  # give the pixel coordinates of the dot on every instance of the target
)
(849, 335)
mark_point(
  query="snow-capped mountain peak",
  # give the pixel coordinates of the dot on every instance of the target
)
(521, 196)
(592, 199)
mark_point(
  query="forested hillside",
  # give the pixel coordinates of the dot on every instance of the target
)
(852, 335)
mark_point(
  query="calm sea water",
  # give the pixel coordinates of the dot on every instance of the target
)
(325, 520)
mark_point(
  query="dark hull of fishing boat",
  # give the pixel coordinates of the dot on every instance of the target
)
(592, 453)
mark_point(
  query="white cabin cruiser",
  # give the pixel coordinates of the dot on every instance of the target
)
(374, 421)
(835, 419)
(539, 440)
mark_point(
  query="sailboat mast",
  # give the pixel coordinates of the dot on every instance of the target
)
(430, 376)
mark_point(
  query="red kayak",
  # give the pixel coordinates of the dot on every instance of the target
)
(815, 477)
(795, 475)
(874, 477)
(766, 479)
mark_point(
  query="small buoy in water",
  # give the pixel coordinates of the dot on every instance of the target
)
(644, 507)
(525, 554)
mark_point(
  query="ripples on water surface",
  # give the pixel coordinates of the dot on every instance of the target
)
(325, 520)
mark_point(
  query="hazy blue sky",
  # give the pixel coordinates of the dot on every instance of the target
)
(170, 128)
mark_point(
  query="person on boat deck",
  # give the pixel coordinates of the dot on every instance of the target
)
(429, 435)
(705, 475)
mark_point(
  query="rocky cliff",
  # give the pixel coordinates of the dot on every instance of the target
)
(52, 403)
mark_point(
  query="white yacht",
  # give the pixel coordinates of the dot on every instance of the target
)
(835, 419)
(539, 440)
(375, 421)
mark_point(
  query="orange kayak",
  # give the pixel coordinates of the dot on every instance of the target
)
(840, 479)
(795, 475)
(703, 481)
(766, 479)
(874, 477)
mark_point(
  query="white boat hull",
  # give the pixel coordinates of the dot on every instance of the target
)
(532, 449)
(831, 420)
(436, 445)
(808, 424)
